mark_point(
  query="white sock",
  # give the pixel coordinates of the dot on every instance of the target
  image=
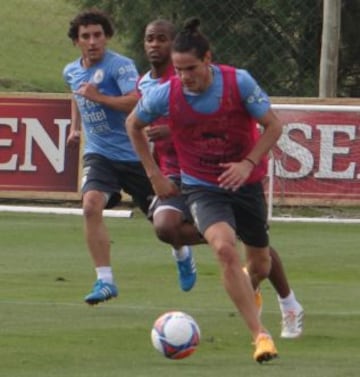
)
(182, 253)
(289, 302)
(105, 274)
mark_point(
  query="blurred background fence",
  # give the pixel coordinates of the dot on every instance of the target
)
(278, 41)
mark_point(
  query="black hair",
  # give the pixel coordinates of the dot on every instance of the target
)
(90, 17)
(190, 38)
(166, 24)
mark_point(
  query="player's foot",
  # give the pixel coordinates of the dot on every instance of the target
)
(101, 292)
(258, 301)
(265, 349)
(187, 272)
(292, 323)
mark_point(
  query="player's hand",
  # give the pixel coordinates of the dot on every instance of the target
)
(73, 139)
(234, 174)
(164, 187)
(89, 91)
(158, 132)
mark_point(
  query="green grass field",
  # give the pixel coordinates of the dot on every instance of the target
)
(35, 46)
(47, 331)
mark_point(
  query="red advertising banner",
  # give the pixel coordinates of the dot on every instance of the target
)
(318, 155)
(33, 153)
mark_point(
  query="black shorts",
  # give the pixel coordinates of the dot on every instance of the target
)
(175, 203)
(244, 210)
(102, 174)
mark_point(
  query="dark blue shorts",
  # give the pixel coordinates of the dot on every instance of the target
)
(102, 174)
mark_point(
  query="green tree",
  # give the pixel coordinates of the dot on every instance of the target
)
(278, 41)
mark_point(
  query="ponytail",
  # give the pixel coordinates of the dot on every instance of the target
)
(190, 38)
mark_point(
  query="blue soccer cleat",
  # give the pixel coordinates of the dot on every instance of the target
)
(101, 292)
(187, 272)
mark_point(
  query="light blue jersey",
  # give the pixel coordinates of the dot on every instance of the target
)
(147, 83)
(254, 98)
(104, 128)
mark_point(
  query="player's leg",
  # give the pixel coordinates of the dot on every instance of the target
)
(106, 176)
(291, 310)
(251, 227)
(214, 218)
(171, 225)
(173, 222)
(257, 294)
(167, 224)
(98, 242)
(277, 275)
(222, 239)
(257, 269)
(96, 196)
(96, 234)
(258, 264)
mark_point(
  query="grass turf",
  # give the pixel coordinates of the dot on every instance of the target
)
(35, 45)
(46, 329)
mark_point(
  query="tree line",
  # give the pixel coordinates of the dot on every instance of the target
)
(278, 41)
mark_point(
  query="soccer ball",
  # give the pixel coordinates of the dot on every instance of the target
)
(175, 334)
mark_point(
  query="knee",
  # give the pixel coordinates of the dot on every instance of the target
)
(259, 268)
(226, 253)
(92, 207)
(166, 232)
(167, 225)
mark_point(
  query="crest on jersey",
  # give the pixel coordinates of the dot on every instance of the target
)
(98, 76)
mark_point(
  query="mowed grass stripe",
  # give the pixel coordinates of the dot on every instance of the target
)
(46, 329)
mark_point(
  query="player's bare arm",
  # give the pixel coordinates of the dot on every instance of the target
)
(271, 134)
(163, 187)
(75, 127)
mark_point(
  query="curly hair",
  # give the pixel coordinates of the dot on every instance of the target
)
(90, 17)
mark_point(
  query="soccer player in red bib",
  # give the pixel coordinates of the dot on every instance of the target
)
(171, 218)
(213, 114)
